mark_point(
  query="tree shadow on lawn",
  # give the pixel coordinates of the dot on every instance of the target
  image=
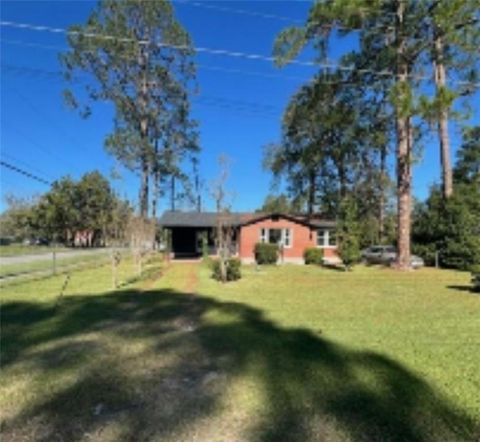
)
(464, 288)
(313, 388)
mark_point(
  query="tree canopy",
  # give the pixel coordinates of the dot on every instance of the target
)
(139, 58)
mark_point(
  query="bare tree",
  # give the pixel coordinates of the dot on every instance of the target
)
(142, 239)
(224, 229)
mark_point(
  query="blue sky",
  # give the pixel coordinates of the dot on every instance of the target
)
(238, 111)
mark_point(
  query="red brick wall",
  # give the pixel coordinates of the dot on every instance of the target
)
(302, 237)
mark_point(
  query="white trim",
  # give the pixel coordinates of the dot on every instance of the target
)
(290, 237)
(326, 239)
(264, 235)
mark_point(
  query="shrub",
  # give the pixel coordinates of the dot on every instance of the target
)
(425, 251)
(208, 262)
(348, 233)
(313, 255)
(266, 253)
(233, 266)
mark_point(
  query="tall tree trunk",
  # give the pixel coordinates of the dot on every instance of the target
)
(311, 192)
(145, 172)
(342, 177)
(156, 182)
(172, 193)
(156, 191)
(381, 200)
(403, 128)
(440, 83)
(143, 105)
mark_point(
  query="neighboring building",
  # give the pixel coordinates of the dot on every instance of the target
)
(293, 233)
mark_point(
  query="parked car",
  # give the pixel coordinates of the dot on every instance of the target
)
(36, 242)
(387, 255)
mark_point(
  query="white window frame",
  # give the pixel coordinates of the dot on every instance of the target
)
(285, 236)
(264, 235)
(326, 238)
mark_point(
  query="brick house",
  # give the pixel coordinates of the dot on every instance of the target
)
(293, 233)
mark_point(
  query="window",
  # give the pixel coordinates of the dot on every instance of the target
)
(274, 236)
(277, 236)
(326, 238)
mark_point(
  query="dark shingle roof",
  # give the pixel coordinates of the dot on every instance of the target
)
(194, 219)
(209, 219)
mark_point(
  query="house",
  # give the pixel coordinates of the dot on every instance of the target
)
(293, 233)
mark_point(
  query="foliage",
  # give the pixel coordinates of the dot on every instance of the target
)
(277, 204)
(266, 253)
(71, 207)
(400, 38)
(16, 220)
(452, 227)
(205, 248)
(334, 144)
(233, 270)
(467, 167)
(348, 232)
(140, 60)
(313, 255)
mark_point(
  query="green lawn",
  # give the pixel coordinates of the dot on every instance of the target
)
(286, 353)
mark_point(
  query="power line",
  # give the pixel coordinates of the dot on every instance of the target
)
(25, 164)
(270, 16)
(37, 111)
(226, 52)
(41, 147)
(214, 68)
(24, 172)
(239, 11)
(254, 109)
(203, 99)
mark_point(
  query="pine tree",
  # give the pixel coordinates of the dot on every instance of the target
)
(139, 57)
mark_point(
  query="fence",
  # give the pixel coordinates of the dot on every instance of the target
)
(48, 264)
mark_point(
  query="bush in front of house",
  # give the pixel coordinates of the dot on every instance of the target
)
(313, 255)
(233, 267)
(266, 253)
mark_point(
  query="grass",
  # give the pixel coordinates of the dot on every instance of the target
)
(286, 353)
(20, 249)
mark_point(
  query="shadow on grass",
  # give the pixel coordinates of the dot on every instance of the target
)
(313, 388)
(464, 288)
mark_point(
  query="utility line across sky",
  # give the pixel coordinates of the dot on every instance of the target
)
(24, 173)
(226, 52)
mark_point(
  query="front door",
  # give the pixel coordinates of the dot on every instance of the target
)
(184, 241)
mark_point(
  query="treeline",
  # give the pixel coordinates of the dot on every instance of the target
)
(340, 130)
(448, 230)
(82, 213)
(444, 231)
